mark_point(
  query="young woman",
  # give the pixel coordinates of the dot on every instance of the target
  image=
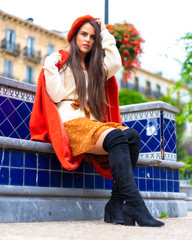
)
(78, 89)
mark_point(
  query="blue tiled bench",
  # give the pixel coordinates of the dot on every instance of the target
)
(31, 171)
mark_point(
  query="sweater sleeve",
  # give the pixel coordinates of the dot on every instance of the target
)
(112, 59)
(54, 85)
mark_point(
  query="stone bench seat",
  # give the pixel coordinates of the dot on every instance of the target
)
(35, 187)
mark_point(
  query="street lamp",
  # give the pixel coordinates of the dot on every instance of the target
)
(106, 11)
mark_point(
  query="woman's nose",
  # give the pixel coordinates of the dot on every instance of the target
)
(87, 38)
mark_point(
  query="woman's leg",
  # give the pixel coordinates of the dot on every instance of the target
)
(114, 141)
(113, 208)
(116, 144)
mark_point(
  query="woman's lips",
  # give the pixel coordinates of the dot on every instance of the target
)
(85, 45)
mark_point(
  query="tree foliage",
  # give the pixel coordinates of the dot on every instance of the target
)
(127, 97)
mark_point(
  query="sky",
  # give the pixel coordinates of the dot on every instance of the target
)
(161, 23)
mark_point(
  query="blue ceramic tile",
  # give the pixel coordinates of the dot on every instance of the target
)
(142, 172)
(154, 144)
(30, 105)
(14, 135)
(4, 176)
(142, 185)
(78, 180)
(6, 128)
(16, 159)
(55, 163)
(176, 186)
(43, 161)
(136, 172)
(139, 125)
(88, 168)
(23, 130)
(15, 102)
(16, 177)
(99, 182)
(67, 180)
(43, 178)
(156, 172)
(15, 119)
(2, 116)
(7, 107)
(23, 110)
(169, 174)
(4, 157)
(170, 186)
(149, 185)
(26, 120)
(176, 174)
(55, 179)
(163, 186)
(108, 184)
(156, 185)
(89, 181)
(30, 160)
(30, 177)
(149, 172)
(163, 173)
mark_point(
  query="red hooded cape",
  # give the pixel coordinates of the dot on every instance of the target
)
(46, 124)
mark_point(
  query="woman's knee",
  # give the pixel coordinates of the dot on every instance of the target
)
(133, 136)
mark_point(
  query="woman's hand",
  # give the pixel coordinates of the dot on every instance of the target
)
(54, 58)
(101, 23)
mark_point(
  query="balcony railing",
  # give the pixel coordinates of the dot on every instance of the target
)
(12, 49)
(145, 91)
(34, 56)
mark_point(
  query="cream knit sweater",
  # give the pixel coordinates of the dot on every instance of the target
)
(61, 86)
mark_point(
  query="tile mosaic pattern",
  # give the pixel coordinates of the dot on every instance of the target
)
(15, 112)
(44, 170)
(157, 131)
(156, 127)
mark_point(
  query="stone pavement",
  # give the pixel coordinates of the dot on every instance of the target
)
(174, 229)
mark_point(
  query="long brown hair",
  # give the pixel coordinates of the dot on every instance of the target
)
(97, 74)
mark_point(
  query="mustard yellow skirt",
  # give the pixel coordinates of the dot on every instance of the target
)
(83, 133)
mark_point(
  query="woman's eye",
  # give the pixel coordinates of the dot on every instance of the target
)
(84, 33)
(93, 37)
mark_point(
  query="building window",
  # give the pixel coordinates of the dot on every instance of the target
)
(136, 86)
(148, 88)
(50, 49)
(158, 90)
(8, 68)
(10, 39)
(30, 47)
(148, 85)
(29, 74)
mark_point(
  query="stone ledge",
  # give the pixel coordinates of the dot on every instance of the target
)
(85, 193)
(20, 144)
(156, 105)
(17, 84)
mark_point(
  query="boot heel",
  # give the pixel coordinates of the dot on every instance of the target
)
(107, 217)
(128, 221)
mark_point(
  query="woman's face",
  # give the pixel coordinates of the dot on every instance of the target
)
(85, 38)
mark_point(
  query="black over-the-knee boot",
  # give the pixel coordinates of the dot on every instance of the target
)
(113, 208)
(116, 144)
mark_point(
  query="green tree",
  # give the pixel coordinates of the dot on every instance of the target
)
(127, 97)
(186, 79)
